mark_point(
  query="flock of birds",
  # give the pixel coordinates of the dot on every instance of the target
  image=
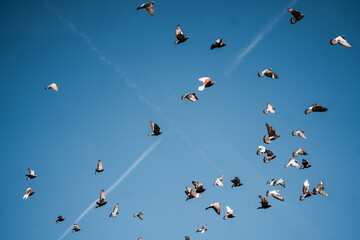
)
(271, 136)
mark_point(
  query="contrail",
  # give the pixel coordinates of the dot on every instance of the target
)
(257, 39)
(115, 184)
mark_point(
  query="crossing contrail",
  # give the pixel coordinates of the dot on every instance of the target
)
(115, 184)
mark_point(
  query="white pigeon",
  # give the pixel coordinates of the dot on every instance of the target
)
(261, 150)
(292, 162)
(269, 109)
(274, 182)
(53, 86)
(206, 83)
(275, 194)
(306, 192)
(218, 182)
(115, 211)
(229, 214)
(341, 40)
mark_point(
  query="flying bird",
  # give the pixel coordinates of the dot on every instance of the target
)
(148, 6)
(180, 36)
(53, 86)
(264, 203)
(269, 109)
(76, 228)
(218, 44)
(319, 189)
(198, 187)
(275, 194)
(215, 206)
(236, 182)
(155, 129)
(229, 214)
(191, 96)
(191, 193)
(187, 238)
(316, 108)
(341, 40)
(28, 193)
(206, 83)
(271, 133)
(269, 73)
(102, 201)
(296, 14)
(99, 167)
(218, 182)
(268, 159)
(301, 151)
(60, 219)
(139, 215)
(306, 192)
(31, 174)
(202, 229)
(261, 150)
(300, 133)
(274, 182)
(292, 162)
(115, 211)
(140, 238)
(305, 164)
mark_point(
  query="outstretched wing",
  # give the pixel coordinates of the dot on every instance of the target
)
(150, 8)
(179, 34)
(31, 172)
(306, 187)
(271, 130)
(229, 210)
(99, 165)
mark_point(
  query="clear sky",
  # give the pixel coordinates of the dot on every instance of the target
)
(118, 69)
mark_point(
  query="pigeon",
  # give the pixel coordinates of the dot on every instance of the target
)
(305, 164)
(28, 193)
(269, 109)
(187, 238)
(274, 182)
(275, 194)
(139, 215)
(215, 206)
(206, 83)
(301, 151)
(300, 133)
(180, 36)
(264, 203)
(296, 14)
(31, 174)
(272, 134)
(60, 219)
(102, 201)
(53, 86)
(202, 229)
(236, 182)
(292, 162)
(191, 96)
(306, 192)
(115, 211)
(76, 228)
(218, 44)
(316, 108)
(319, 189)
(268, 159)
(267, 72)
(229, 213)
(155, 129)
(149, 7)
(261, 150)
(191, 193)
(218, 182)
(341, 40)
(140, 238)
(99, 167)
(198, 187)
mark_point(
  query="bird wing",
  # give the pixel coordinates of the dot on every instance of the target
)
(152, 126)
(116, 208)
(295, 13)
(318, 108)
(179, 34)
(99, 165)
(305, 162)
(271, 130)
(306, 187)
(278, 196)
(102, 196)
(263, 200)
(344, 43)
(301, 134)
(54, 87)
(156, 129)
(222, 177)
(218, 41)
(150, 9)
(28, 191)
(204, 80)
(229, 210)
(294, 163)
(31, 172)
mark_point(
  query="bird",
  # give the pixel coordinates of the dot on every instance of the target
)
(269, 109)
(274, 182)
(316, 108)
(76, 228)
(202, 229)
(236, 182)
(180, 36)
(296, 14)
(269, 73)
(229, 214)
(99, 167)
(155, 129)
(292, 162)
(269, 153)
(264, 203)
(206, 83)
(218, 44)
(319, 189)
(300, 133)
(191, 96)
(341, 40)
(31, 174)
(140, 238)
(102, 201)
(275, 194)
(261, 150)
(149, 7)
(60, 219)
(187, 238)
(306, 192)
(191, 193)
(28, 193)
(215, 206)
(139, 215)
(301, 151)
(272, 134)
(268, 159)
(115, 211)
(305, 164)
(198, 187)
(53, 86)
(218, 182)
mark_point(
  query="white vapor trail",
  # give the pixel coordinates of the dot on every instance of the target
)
(115, 184)
(257, 39)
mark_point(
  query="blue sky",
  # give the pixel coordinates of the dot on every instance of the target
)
(117, 70)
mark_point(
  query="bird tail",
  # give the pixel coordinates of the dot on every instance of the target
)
(201, 88)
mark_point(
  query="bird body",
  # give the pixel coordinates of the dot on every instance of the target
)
(191, 96)
(191, 193)
(218, 44)
(269, 109)
(115, 211)
(139, 215)
(269, 73)
(102, 201)
(99, 167)
(305, 164)
(340, 40)
(60, 219)
(271, 133)
(180, 36)
(149, 7)
(206, 83)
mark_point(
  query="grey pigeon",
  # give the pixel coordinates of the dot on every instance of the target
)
(215, 206)
(99, 167)
(320, 189)
(229, 214)
(292, 162)
(275, 194)
(296, 14)
(271, 133)
(316, 108)
(218, 181)
(191, 96)
(218, 44)
(115, 211)
(53, 86)
(139, 215)
(268, 159)
(191, 193)
(202, 229)
(274, 182)
(198, 187)
(180, 36)
(269, 109)
(305, 164)
(264, 203)
(102, 201)
(60, 219)
(76, 228)
(300, 133)
(28, 193)
(306, 192)
(236, 182)
(301, 151)
(31, 174)
(149, 7)
(155, 129)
